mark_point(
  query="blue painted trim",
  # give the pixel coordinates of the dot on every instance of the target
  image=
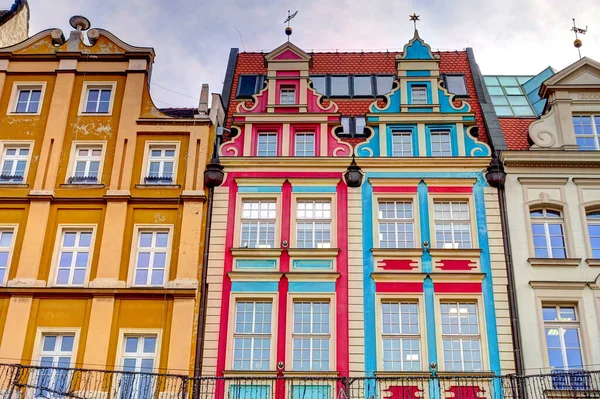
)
(446, 105)
(468, 118)
(453, 137)
(474, 148)
(409, 86)
(418, 73)
(373, 119)
(255, 264)
(422, 109)
(259, 189)
(429, 297)
(319, 264)
(423, 175)
(414, 135)
(422, 193)
(311, 286)
(302, 391)
(314, 189)
(251, 391)
(254, 286)
(368, 283)
(417, 50)
(369, 148)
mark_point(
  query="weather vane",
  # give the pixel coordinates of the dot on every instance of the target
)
(578, 43)
(414, 18)
(288, 30)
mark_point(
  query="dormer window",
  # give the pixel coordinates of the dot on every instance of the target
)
(455, 84)
(362, 86)
(287, 95)
(248, 85)
(587, 132)
(418, 94)
(340, 86)
(353, 125)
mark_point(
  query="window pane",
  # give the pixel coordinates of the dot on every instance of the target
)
(339, 86)
(319, 84)
(456, 84)
(384, 84)
(418, 94)
(508, 81)
(362, 86)
(247, 85)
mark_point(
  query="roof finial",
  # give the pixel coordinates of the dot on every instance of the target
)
(414, 18)
(578, 43)
(288, 29)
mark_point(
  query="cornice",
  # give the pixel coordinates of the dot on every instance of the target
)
(551, 159)
(558, 285)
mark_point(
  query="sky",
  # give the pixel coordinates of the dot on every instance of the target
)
(192, 39)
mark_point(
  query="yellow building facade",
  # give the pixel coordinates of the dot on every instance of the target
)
(102, 207)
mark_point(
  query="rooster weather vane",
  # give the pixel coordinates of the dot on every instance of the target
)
(288, 29)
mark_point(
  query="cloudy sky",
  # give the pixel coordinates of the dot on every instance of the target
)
(192, 38)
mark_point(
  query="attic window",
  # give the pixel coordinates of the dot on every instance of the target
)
(353, 126)
(248, 85)
(455, 83)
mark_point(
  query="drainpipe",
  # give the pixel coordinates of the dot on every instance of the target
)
(496, 177)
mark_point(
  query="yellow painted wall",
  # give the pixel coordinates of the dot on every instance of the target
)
(15, 213)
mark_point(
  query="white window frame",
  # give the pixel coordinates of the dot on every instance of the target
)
(87, 86)
(259, 221)
(304, 135)
(146, 161)
(595, 130)
(420, 90)
(252, 335)
(451, 221)
(137, 230)
(402, 134)
(314, 221)
(265, 134)
(12, 228)
(440, 133)
(74, 158)
(61, 230)
(479, 336)
(288, 93)
(591, 221)
(400, 335)
(396, 221)
(561, 325)
(14, 97)
(545, 221)
(20, 144)
(311, 336)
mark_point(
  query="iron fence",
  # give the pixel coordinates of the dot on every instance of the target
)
(33, 382)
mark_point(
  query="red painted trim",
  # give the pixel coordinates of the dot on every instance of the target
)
(298, 175)
(287, 73)
(448, 287)
(395, 189)
(333, 119)
(455, 264)
(287, 110)
(398, 264)
(341, 286)
(442, 189)
(288, 55)
(277, 129)
(315, 129)
(284, 264)
(408, 286)
(287, 82)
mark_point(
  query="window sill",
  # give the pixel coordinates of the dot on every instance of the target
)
(14, 185)
(552, 393)
(312, 374)
(554, 262)
(313, 252)
(23, 114)
(593, 262)
(397, 252)
(260, 253)
(82, 185)
(245, 373)
(155, 186)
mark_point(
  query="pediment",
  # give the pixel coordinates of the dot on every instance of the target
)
(288, 51)
(583, 72)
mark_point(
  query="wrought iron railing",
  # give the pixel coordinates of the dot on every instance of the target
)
(29, 382)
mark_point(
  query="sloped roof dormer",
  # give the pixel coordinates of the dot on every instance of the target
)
(583, 73)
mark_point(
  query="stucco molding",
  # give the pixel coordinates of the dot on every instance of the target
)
(544, 132)
(256, 253)
(593, 262)
(254, 276)
(558, 285)
(553, 262)
(107, 283)
(586, 181)
(26, 282)
(397, 276)
(543, 181)
(191, 283)
(303, 276)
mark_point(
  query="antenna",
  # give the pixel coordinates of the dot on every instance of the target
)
(288, 29)
(578, 43)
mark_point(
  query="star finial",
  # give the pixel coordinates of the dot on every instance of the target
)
(414, 18)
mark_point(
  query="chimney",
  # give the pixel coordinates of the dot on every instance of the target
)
(203, 105)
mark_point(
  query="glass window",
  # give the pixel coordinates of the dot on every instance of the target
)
(86, 164)
(73, 257)
(517, 100)
(495, 91)
(6, 239)
(418, 94)
(56, 352)
(491, 81)
(152, 250)
(252, 336)
(440, 144)
(503, 110)
(313, 224)
(311, 336)
(384, 84)
(98, 100)
(139, 356)
(287, 95)
(508, 81)
(593, 223)
(460, 337)
(14, 163)
(266, 145)
(522, 110)
(396, 224)
(28, 101)
(452, 224)
(402, 145)
(499, 100)
(258, 224)
(513, 91)
(305, 145)
(319, 83)
(362, 86)
(359, 125)
(161, 164)
(456, 85)
(587, 132)
(339, 86)
(548, 233)
(562, 337)
(400, 336)
(248, 85)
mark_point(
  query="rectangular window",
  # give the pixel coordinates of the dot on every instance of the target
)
(593, 224)
(319, 83)
(161, 164)
(14, 163)
(56, 352)
(452, 224)
(305, 145)
(400, 336)
(98, 100)
(151, 257)
(456, 84)
(73, 257)
(287, 95)
(252, 336)
(139, 356)
(248, 85)
(362, 86)
(339, 86)
(6, 242)
(440, 144)
(460, 337)
(313, 224)
(86, 164)
(384, 84)
(258, 224)
(396, 224)
(402, 145)
(28, 101)
(311, 335)
(418, 94)
(548, 233)
(563, 341)
(266, 145)
(587, 132)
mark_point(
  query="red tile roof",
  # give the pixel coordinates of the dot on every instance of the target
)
(362, 62)
(516, 132)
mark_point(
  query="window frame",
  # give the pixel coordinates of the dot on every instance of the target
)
(145, 170)
(137, 229)
(595, 130)
(14, 97)
(419, 86)
(586, 212)
(60, 230)
(92, 85)
(376, 87)
(420, 336)
(290, 88)
(296, 197)
(257, 143)
(298, 132)
(577, 324)
(14, 228)
(438, 131)
(472, 222)
(377, 231)
(75, 146)
(352, 126)
(349, 82)
(394, 132)
(254, 197)
(353, 86)
(562, 220)
(445, 79)
(326, 79)
(258, 85)
(314, 221)
(17, 143)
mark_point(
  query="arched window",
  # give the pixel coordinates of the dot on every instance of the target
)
(593, 223)
(548, 233)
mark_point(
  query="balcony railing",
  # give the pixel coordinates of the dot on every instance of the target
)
(32, 382)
